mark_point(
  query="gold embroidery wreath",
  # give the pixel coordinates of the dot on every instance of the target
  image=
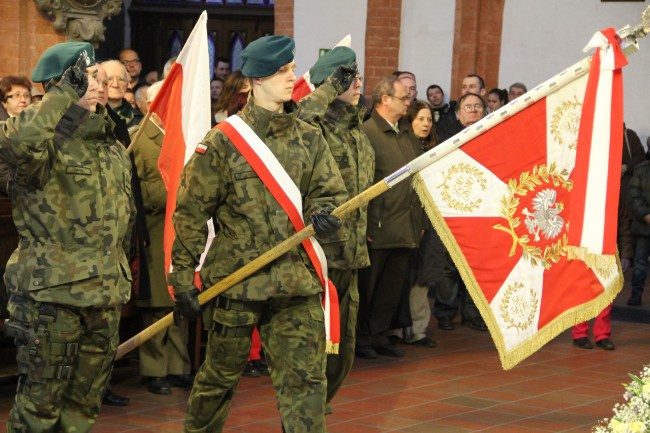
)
(446, 195)
(556, 121)
(505, 307)
(528, 182)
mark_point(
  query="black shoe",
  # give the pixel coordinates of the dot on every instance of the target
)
(251, 371)
(606, 344)
(388, 350)
(112, 399)
(365, 352)
(634, 300)
(424, 342)
(583, 343)
(476, 323)
(261, 367)
(184, 381)
(446, 324)
(157, 385)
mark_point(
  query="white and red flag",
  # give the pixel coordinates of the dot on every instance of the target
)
(183, 105)
(527, 207)
(303, 86)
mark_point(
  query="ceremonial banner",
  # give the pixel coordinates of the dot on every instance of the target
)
(508, 203)
(303, 86)
(183, 105)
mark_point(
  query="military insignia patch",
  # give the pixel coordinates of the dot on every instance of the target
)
(201, 148)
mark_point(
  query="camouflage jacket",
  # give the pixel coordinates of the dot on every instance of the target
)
(220, 184)
(355, 158)
(72, 204)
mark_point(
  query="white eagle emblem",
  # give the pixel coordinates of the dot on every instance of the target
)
(545, 216)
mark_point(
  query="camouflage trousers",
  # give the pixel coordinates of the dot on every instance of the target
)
(339, 366)
(293, 336)
(65, 356)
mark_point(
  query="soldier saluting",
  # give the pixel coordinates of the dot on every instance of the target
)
(284, 298)
(67, 280)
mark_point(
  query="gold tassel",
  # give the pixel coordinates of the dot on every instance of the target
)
(332, 348)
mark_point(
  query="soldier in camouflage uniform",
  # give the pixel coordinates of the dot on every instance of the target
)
(69, 276)
(340, 120)
(284, 298)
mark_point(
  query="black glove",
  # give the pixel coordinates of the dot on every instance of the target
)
(325, 223)
(75, 76)
(186, 305)
(345, 74)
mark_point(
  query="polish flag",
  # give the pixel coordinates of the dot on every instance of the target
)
(303, 86)
(528, 208)
(183, 105)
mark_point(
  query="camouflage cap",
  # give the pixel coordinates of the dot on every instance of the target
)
(329, 61)
(264, 56)
(56, 59)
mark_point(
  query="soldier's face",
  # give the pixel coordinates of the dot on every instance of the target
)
(90, 99)
(102, 90)
(278, 88)
(352, 95)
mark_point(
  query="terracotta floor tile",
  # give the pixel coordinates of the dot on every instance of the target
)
(458, 387)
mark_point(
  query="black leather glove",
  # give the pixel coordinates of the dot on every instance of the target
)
(345, 74)
(75, 76)
(325, 223)
(186, 305)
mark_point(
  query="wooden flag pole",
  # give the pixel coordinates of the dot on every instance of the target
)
(253, 266)
(629, 35)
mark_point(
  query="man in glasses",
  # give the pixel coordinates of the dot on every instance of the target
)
(131, 60)
(394, 222)
(117, 77)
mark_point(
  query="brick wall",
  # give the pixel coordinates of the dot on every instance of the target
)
(283, 15)
(25, 33)
(382, 41)
(477, 42)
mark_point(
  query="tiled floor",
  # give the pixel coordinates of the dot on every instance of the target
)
(458, 387)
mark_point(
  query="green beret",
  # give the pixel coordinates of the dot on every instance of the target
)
(264, 56)
(329, 61)
(56, 59)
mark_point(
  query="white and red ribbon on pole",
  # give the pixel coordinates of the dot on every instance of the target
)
(597, 173)
(287, 194)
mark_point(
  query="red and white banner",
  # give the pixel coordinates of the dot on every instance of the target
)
(508, 203)
(303, 86)
(183, 105)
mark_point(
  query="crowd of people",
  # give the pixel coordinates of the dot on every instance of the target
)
(90, 216)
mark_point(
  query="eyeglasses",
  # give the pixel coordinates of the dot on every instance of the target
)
(474, 107)
(120, 80)
(130, 62)
(25, 96)
(401, 98)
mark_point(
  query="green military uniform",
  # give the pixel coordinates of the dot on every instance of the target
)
(166, 352)
(346, 250)
(69, 276)
(282, 299)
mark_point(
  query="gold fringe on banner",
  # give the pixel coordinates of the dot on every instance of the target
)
(332, 348)
(600, 263)
(566, 320)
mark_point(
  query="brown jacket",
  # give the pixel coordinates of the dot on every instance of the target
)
(395, 218)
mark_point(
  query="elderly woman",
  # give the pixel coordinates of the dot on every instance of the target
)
(15, 94)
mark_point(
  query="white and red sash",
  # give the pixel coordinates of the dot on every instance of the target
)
(287, 194)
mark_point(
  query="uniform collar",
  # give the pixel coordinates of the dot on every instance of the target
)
(265, 122)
